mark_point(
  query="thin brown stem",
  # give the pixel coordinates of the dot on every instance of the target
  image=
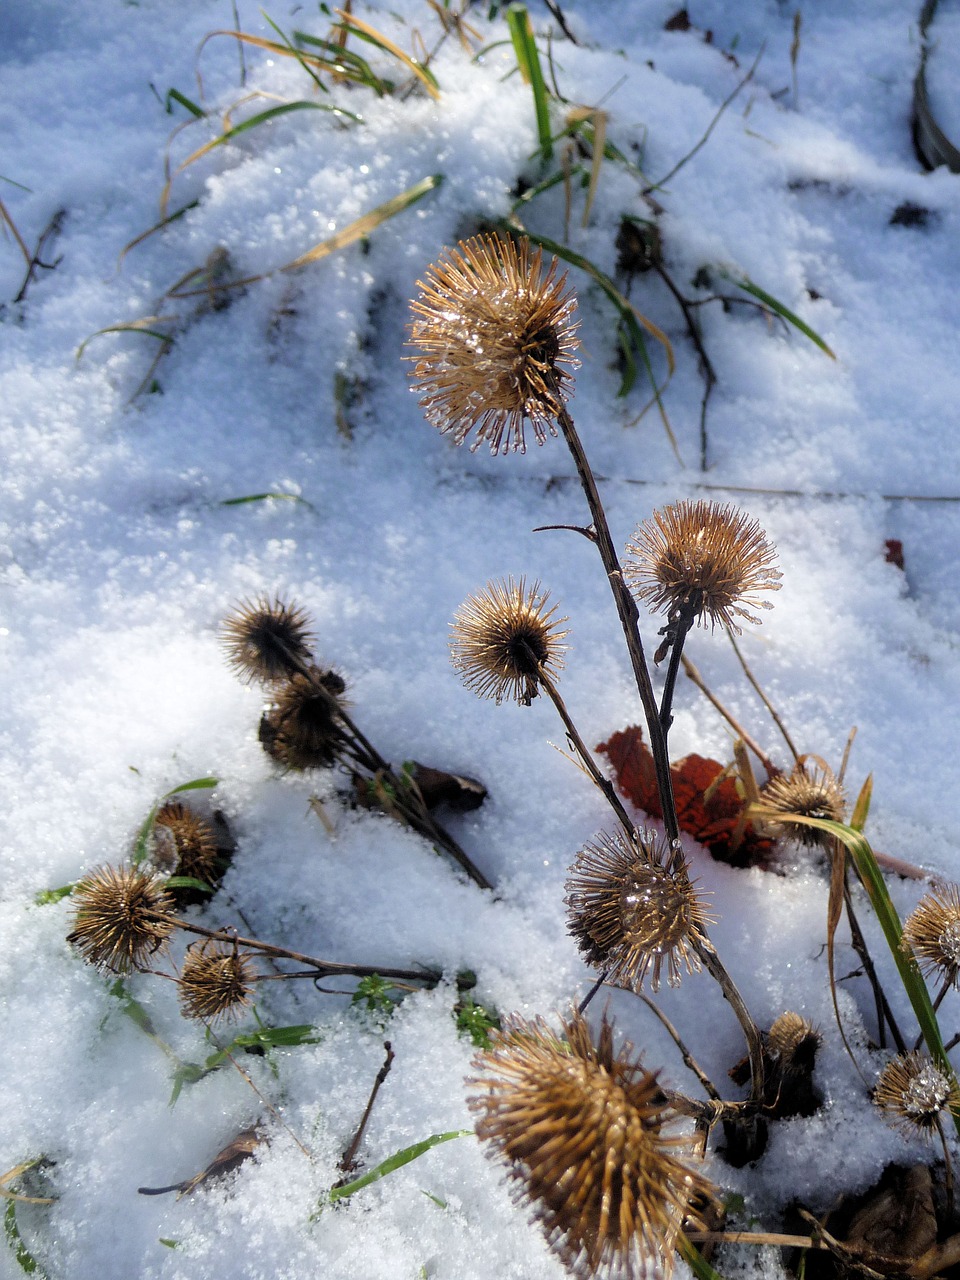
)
(347, 1164)
(586, 758)
(715, 967)
(689, 1060)
(859, 943)
(763, 697)
(693, 674)
(324, 968)
(629, 618)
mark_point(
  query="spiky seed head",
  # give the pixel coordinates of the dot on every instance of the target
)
(505, 640)
(912, 1092)
(932, 931)
(811, 790)
(495, 339)
(582, 1130)
(266, 640)
(794, 1042)
(215, 981)
(633, 909)
(191, 845)
(122, 916)
(702, 560)
(302, 729)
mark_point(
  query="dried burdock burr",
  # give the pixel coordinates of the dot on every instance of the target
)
(505, 640)
(584, 1132)
(702, 562)
(302, 729)
(932, 932)
(267, 640)
(913, 1091)
(185, 843)
(215, 981)
(495, 338)
(122, 917)
(633, 910)
(810, 790)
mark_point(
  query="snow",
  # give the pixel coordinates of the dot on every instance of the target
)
(118, 563)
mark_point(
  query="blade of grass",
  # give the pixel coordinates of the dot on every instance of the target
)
(271, 113)
(294, 51)
(24, 1257)
(157, 226)
(6, 219)
(174, 95)
(347, 64)
(779, 309)
(396, 1161)
(868, 870)
(142, 844)
(363, 29)
(132, 326)
(528, 60)
(265, 497)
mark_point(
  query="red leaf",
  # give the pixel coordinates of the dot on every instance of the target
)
(708, 808)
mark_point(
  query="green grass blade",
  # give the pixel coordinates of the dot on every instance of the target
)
(528, 60)
(188, 882)
(871, 877)
(47, 896)
(24, 1257)
(295, 53)
(174, 95)
(698, 1264)
(196, 784)
(779, 309)
(396, 1161)
(265, 497)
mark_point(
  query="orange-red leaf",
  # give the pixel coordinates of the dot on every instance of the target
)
(709, 804)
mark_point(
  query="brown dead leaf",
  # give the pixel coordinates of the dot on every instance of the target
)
(709, 804)
(225, 1161)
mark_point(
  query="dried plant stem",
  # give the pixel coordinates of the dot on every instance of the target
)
(688, 1058)
(680, 630)
(947, 1167)
(629, 618)
(763, 697)
(859, 943)
(323, 968)
(408, 803)
(586, 758)
(693, 674)
(705, 949)
(754, 1237)
(347, 1164)
(629, 621)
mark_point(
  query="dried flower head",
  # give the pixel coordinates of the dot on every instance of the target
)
(811, 790)
(505, 640)
(185, 842)
(267, 640)
(632, 909)
(122, 916)
(702, 561)
(932, 930)
(215, 981)
(913, 1090)
(303, 729)
(493, 336)
(794, 1042)
(582, 1131)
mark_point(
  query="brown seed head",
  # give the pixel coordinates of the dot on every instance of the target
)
(932, 930)
(266, 640)
(493, 337)
(913, 1090)
(504, 640)
(810, 790)
(191, 842)
(122, 917)
(582, 1132)
(215, 981)
(794, 1042)
(632, 909)
(303, 730)
(702, 560)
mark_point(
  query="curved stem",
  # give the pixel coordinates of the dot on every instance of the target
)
(705, 949)
(683, 625)
(763, 697)
(689, 1060)
(586, 758)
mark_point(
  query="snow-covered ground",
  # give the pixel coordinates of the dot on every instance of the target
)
(119, 561)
